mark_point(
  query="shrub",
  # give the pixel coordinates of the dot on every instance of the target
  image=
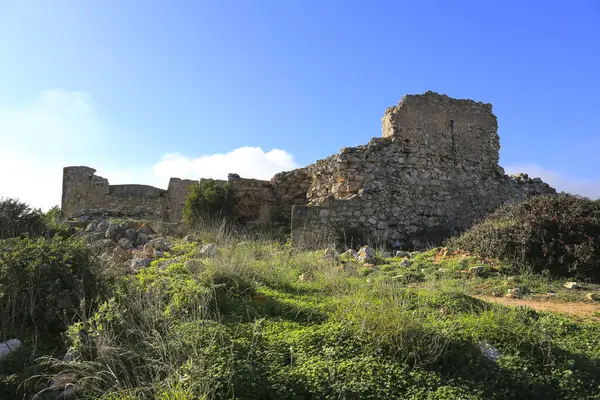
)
(559, 233)
(17, 218)
(43, 284)
(206, 199)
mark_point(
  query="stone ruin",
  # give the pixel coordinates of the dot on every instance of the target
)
(433, 172)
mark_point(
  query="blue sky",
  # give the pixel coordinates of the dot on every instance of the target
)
(142, 90)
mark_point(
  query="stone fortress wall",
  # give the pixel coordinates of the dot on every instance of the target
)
(434, 168)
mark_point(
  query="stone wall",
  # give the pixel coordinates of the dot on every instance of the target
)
(256, 202)
(434, 171)
(85, 192)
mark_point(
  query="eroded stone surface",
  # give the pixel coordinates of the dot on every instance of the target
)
(433, 172)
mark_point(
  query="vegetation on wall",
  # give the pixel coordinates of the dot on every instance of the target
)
(207, 199)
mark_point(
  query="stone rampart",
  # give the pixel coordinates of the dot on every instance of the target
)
(434, 171)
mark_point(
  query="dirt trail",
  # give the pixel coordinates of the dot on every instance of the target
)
(578, 309)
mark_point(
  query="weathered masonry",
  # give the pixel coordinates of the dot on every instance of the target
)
(435, 168)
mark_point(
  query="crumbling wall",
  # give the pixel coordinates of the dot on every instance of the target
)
(177, 193)
(86, 193)
(434, 170)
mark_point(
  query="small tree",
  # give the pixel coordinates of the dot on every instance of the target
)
(17, 218)
(207, 199)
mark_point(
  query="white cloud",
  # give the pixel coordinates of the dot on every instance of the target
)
(561, 182)
(248, 162)
(61, 128)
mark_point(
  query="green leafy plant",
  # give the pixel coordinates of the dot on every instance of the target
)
(556, 233)
(43, 283)
(207, 199)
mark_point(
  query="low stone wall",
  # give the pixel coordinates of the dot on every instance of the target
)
(86, 193)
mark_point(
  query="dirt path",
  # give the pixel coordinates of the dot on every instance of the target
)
(578, 309)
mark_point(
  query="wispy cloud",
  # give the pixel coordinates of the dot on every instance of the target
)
(561, 182)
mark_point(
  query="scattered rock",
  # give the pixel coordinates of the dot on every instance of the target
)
(119, 254)
(193, 265)
(330, 254)
(102, 226)
(146, 230)
(513, 293)
(405, 263)
(138, 263)
(402, 254)
(157, 253)
(64, 384)
(572, 285)
(142, 239)
(592, 296)
(489, 351)
(102, 246)
(91, 227)
(125, 243)
(349, 253)
(9, 346)
(366, 254)
(159, 243)
(131, 234)
(209, 250)
(478, 270)
(190, 239)
(94, 237)
(114, 232)
(71, 355)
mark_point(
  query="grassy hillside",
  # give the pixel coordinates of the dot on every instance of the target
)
(259, 319)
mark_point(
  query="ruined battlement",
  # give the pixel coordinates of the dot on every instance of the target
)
(434, 168)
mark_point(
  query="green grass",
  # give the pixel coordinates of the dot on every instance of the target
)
(262, 320)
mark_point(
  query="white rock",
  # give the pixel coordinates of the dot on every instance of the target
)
(9, 346)
(366, 254)
(572, 285)
(209, 250)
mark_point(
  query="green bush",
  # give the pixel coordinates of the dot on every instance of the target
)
(557, 233)
(43, 283)
(206, 199)
(17, 218)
